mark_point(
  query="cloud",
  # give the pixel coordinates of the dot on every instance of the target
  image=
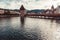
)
(28, 4)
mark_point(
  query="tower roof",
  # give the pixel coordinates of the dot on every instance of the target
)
(22, 7)
(52, 6)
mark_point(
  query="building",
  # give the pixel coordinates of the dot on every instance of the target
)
(58, 9)
(52, 8)
(1, 11)
(51, 11)
(6, 12)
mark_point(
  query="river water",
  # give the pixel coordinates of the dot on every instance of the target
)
(32, 29)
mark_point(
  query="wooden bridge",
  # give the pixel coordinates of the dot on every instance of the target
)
(48, 15)
(42, 15)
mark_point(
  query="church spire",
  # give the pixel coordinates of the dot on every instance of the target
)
(52, 7)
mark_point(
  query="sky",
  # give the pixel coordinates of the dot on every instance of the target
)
(29, 4)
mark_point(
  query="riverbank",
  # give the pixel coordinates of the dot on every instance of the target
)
(3, 16)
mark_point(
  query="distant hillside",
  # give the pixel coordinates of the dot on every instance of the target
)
(28, 11)
(35, 11)
(10, 9)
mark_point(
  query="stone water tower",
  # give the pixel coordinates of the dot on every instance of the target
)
(22, 11)
(22, 14)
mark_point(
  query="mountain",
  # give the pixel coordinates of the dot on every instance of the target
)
(35, 11)
(28, 11)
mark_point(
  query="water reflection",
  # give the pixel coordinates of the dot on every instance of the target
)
(28, 35)
(17, 28)
(58, 21)
(22, 20)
